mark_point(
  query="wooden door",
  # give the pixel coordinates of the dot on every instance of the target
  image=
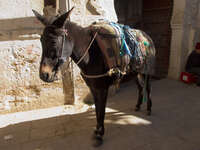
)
(156, 22)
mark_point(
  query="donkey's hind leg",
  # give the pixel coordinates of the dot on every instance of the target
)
(140, 84)
(149, 102)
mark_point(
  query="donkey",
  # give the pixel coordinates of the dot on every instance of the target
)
(62, 39)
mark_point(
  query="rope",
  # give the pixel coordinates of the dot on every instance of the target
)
(89, 76)
(87, 49)
(95, 76)
(108, 73)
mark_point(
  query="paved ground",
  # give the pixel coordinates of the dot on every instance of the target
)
(174, 124)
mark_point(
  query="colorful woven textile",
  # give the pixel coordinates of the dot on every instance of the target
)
(133, 43)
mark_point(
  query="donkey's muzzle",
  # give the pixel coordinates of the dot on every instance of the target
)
(47, 74)
(44, 76)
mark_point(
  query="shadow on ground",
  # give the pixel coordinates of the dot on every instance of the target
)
(174, 124)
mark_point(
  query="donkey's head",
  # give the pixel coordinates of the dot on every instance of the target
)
(56, 45)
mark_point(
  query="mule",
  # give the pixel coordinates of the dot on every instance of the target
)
(62, 39)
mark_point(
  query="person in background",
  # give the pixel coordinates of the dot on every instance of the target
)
(193, 63)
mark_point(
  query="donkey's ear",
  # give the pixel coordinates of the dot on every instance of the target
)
(61, 20)
(41, 18)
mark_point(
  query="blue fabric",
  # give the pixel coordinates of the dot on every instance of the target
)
(124, 47)
(129, 42)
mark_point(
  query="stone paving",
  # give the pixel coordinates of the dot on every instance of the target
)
(174, 124)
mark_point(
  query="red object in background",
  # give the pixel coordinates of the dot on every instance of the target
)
(197, 46)
(187, 77)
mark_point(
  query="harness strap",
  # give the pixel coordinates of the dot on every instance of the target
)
(95, 76)
(108, 73)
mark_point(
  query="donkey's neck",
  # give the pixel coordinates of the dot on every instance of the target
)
(80, 38)
(93, 63)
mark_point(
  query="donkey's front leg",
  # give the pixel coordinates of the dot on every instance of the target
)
(100, 98)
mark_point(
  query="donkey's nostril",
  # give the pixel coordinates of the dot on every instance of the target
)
(45, 76)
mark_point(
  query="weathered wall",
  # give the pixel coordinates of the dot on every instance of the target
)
(20, 86)
(19, 8)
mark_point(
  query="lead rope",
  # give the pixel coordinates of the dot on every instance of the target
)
(87, 49)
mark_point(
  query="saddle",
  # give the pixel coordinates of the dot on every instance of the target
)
(122, 47)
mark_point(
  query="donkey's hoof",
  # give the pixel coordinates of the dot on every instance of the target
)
(98, 141)
(148, 112)
(97, 138)
(137, 108)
